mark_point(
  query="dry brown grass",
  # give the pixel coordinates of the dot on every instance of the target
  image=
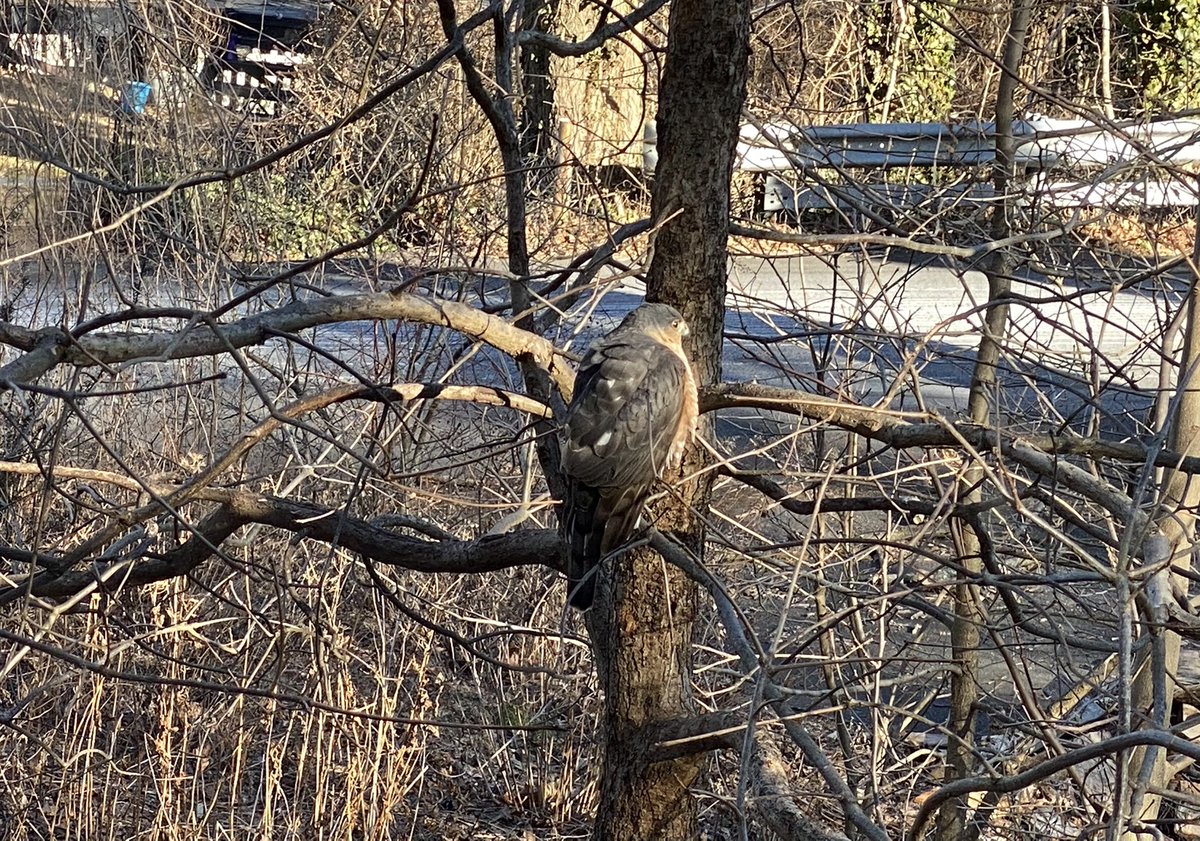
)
(96, 756)
(1152, 235)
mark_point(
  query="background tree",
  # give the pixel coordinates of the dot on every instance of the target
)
(1166, 42)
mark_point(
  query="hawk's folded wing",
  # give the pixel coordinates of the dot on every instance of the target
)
(627, 420)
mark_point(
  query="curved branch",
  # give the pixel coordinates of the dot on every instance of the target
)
(485, 395)
(490, 553)
(46, 349)
(738, 642)
(443, 630)
(1016, 782)
(575, 49)
(205, 541)
(170, 497)
(895, 429)
(199, 339)
(901, 504)
(1039, 453)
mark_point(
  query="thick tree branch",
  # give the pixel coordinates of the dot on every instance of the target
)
(484, 554)
(200, 339)
(773, 803)
(1037, 453)
(44, 349)
(896, 504)
(532, 37)
(205, 541)
(333, 526)
(895, 428)
(170, 497)
(719, 730)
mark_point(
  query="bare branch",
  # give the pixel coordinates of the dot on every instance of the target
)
(532, 37)
(1052, 766)
(199, 339)
(169, 498)
(736, 639)
(896, 503)
(774, 805)
(1038, 453)
(973, 252)
(205, 541)
(484, 554)
(720, 730)
(333, 526)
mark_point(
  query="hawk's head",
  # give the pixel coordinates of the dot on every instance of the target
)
(662, 321)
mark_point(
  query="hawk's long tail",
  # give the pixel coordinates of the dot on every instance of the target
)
(596, 521)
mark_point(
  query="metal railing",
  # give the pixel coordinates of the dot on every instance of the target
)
(1067, 163)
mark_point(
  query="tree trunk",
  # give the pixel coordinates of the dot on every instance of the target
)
(1153, 690)
(877, 23)
(539, 147)
(642, 623)
(969, 617)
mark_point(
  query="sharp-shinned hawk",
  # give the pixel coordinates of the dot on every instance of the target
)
(633, 411)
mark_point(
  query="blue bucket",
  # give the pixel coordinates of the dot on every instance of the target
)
(135, 96)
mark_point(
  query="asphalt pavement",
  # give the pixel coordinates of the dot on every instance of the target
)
(1084, 341)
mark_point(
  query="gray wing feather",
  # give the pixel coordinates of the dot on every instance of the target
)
(618, 434)
(624, 415)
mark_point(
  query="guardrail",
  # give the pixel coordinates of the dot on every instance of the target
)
(1138, 163)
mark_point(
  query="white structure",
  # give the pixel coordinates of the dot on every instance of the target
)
(1137, 162)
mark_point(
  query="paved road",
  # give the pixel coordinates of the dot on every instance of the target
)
(851, 326)
(867, 318)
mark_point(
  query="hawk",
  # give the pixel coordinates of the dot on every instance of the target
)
(632, 413)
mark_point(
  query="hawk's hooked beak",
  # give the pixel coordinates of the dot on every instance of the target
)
(684, 330)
